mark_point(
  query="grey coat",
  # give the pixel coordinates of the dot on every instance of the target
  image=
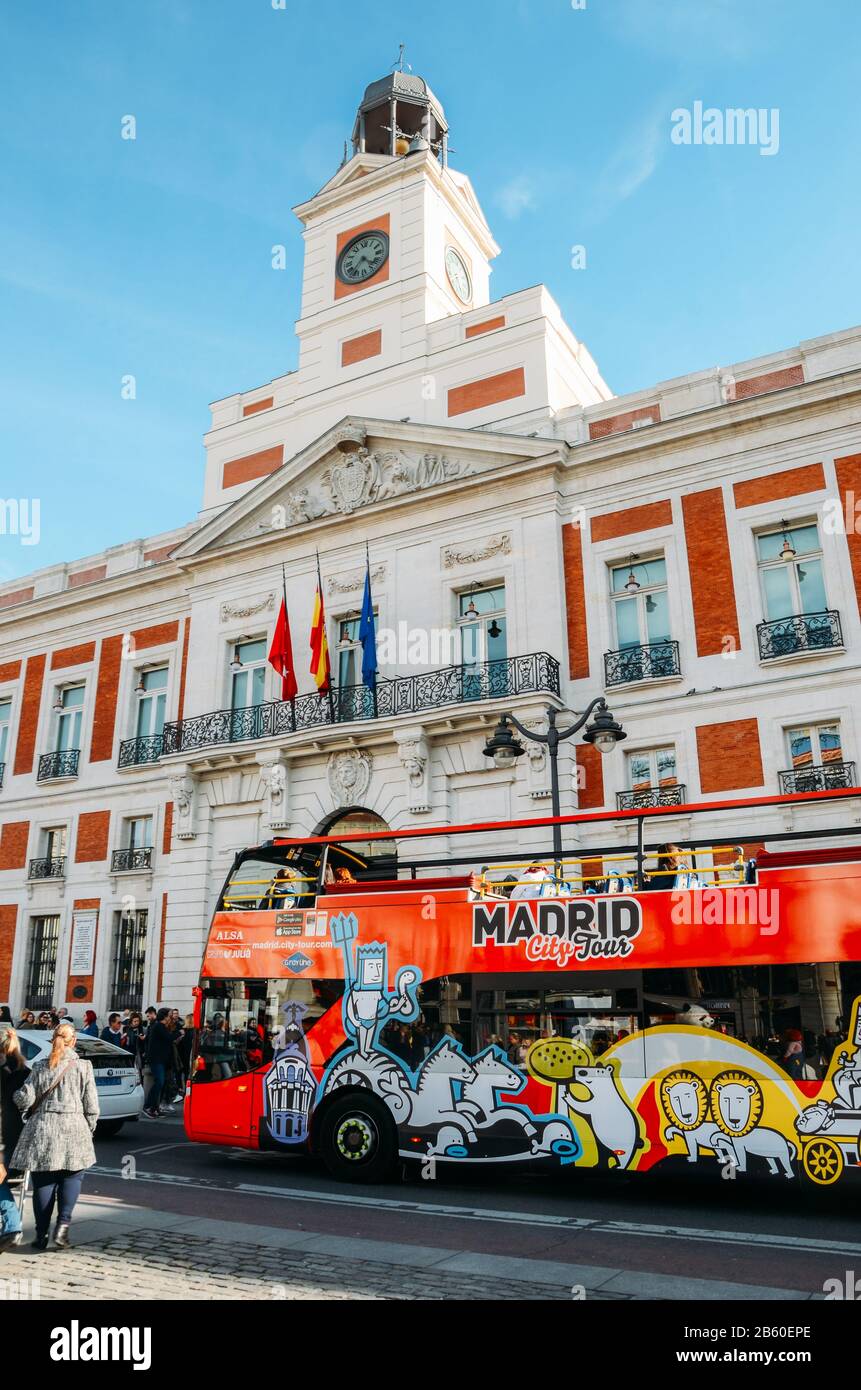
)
(59, 1135)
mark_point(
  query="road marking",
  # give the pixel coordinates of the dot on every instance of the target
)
(154, 1149)
(797, 1244)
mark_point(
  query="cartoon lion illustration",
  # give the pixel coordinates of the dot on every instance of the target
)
(736, 1106)
(685, 1101)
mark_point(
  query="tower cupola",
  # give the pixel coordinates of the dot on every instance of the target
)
(400, 115)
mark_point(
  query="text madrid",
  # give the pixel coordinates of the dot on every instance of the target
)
(580, 929)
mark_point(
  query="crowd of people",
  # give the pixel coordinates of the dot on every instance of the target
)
(158, 1040)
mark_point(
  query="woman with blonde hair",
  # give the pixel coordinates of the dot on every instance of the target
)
(60, 1107)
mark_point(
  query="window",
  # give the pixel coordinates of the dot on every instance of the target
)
(653, 767)
(130, 933)
(794, 585)
(816, 760)
(5, 721)
(138, 832)
(71, 708)
(514, 1018)
(244, 1021)
(355, 701)
(248, 680)
(814, 746)
(151, 700)
(54, 841)
(641, 615)
(42, 966)
(483, 642)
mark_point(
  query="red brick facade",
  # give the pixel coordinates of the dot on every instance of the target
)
(360, 349)
(28, 723)
(72, 656)
(107, 688)
(10, 671)
(168, 828)
(157, 636)
(710, 573)
(490, 390)
(590, 777)
(91, 845)
(8, 918)
(729, 755)
(617, 424)
(848, 471)
(575, 601)
(810, 477)
(632, 520)
(13, 844)
(251, 466)
(768, 381)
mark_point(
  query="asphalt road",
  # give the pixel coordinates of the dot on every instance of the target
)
(751, 1234)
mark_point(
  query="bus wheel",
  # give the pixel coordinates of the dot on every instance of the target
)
(357, 1139)
(823, 1161)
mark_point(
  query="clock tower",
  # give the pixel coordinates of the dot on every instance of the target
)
(396, 240)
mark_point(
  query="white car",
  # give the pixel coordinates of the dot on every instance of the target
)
(121, 1095)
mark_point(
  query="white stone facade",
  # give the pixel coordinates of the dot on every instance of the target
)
(448, 502)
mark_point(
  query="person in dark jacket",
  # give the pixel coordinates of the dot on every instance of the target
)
(113, 1033)
(13, 1073)
(91, 1024)
(159, 1056)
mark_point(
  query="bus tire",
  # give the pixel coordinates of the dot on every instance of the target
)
(357, 1140)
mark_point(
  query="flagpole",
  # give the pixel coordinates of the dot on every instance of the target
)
(323, 617)
(368, 567)
(286, 619)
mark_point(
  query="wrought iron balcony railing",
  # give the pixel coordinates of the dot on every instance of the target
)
(134, 752)
(807, 632)
(646, 663)
(818, 779)
(53, 765)
(47, 868)
(126, 861)
(2, 773)
(645, 797)
(536, 673)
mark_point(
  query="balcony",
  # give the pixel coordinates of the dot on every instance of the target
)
(2, 773)
(808, 632)
(135, 752)
(818, 779)
(646, 797)
(47, 868)
(536, 673)
(647, 663)
(130, 861)
(53, 766)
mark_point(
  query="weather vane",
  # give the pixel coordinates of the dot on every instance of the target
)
(399, 63)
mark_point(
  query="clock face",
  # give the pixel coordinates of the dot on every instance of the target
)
(362, 257)
(458, 275)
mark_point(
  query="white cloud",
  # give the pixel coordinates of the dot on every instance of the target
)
(631, 164)
(517, 196)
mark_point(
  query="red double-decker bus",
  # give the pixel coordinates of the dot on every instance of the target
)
(639, 1004)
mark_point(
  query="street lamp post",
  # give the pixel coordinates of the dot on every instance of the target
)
(604, 732)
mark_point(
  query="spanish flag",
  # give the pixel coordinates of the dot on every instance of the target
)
(320, 669)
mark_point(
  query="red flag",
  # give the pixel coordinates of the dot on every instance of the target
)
(320, 668)
(281, 654)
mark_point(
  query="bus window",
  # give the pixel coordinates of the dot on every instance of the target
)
(514, 1019)
(446, 1011)
(242, 1021)
(261, 885)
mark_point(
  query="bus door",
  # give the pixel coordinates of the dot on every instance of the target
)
(230, 1044)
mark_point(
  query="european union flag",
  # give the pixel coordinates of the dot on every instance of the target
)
(368, 636)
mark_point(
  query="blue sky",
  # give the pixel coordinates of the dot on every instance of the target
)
(152, 257)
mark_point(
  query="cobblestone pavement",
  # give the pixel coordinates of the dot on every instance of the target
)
(167, 1265)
